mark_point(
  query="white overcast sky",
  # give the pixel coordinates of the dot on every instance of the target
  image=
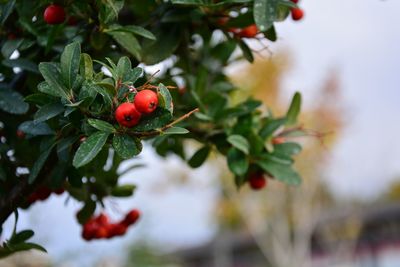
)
(358, 38)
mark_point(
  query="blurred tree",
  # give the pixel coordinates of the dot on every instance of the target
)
(281, 219)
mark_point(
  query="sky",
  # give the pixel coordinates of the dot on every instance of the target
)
(359, 39)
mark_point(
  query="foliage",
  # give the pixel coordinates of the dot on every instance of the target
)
(57, 100)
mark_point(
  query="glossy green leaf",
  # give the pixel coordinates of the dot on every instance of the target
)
(70, 60)
(53, 78)
(123, 190)
(101, 125)
(165, 98)
(12, 102)
(129, 42)
(247, 53)
(48, 111)
(86, 66)
(10, 46)
(176, 130)
(21, 236)
(89, 149)
(294, 109)
(281, 172)
(30, 127)
(38, 165)
(159, 118)
(6, 10)
(199, 157)
(237, 161)
(265, 13)
(21, 63)
(137, 30)
(126, 147)
(239, 142)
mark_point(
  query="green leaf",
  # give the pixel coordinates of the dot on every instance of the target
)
(176, 130)
(48, 111)
(165, 98)
(123, 190)
(159, 118)
(101, 125)
(6, 10)
(270, 126)
(86, 66)
(287, 148)
(38, 165)
(39, 99)
(12, 102)
(137, 30)
(22, 63)
(28, 246)
(89, 149)
(70, 59)
(237, 161)
(246, 51)
(123, 68)
(281, 172)
(30, 127)
(126, 147)
(21, 236)
(86, 212)
(168, 39)
(128, 42)
(10, 46)
(239, 142)
(199, 157)
(265, 13)
(53, 78)
(294, 109)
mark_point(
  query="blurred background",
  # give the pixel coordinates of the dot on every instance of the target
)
(344, 58)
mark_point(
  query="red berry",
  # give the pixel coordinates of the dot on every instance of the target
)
(59, 191)
(101, 232)
(54, 14)
(295, 1)
(146, 101)
(20, 134)
(278, 140)
(297, 13)
(127, 115)
(222, 21)
(249, 31)
(131, 217)
(102, 219)
(87, 235)
(33, 198)
(117, 229)
(257, 181)
(43, 193)
(11, 36)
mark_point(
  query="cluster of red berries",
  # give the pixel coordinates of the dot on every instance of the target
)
(99, 227)
(128, 114)
(246, 32)
(297, 13)
(42, 193)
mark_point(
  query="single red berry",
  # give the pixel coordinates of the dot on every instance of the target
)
(249, 31)
(102, 219)
(33, 198)
(43, 193)
(20, 134)
(54, 14)
(257, 181)
(146, 101)
(127, 115)
(295, 1)
(222, 21)
(59, 191)
(131, 217)
(297, 13)
(87, 235)
(278, 140)
(117, 229)
(101, 232)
